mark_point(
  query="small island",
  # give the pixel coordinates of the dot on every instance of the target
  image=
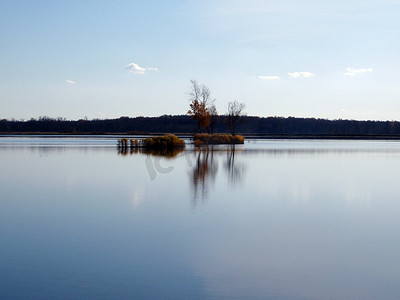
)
(217, 139)
(203, 111)
(168, 141)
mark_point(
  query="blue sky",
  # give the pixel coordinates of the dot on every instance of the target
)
(106, 59)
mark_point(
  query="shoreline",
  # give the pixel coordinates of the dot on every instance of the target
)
(246, 136)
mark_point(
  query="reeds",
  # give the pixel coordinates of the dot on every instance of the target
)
(124, 143)
(168, 141)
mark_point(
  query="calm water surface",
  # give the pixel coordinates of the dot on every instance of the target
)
(265, 220)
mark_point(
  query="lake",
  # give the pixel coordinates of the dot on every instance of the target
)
(270, 219)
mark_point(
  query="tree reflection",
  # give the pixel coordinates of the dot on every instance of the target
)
(234, 170)
(204, 172)
(203, 168)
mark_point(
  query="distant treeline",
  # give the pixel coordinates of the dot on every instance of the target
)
(185, 124)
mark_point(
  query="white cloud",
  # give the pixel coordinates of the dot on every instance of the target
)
(132, 67)
(353, 72)
(269, 77)
(301, 74)
(70, 81)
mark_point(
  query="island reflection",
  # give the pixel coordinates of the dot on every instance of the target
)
(165, 152)
(234, 170)
(203, 162)
(204, 172)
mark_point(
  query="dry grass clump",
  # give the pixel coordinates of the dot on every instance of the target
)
(168, 141)
(216, 139)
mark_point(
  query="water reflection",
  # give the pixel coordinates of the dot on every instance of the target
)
(203, 164)
(167, 153)
(204, 172)
(91, 225)
(234, 170)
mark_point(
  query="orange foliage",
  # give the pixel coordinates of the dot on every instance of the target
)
(200, 113)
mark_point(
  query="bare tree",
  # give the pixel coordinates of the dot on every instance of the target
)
(235, 111)
(195, 91)
(200, 104)
(200, 93)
